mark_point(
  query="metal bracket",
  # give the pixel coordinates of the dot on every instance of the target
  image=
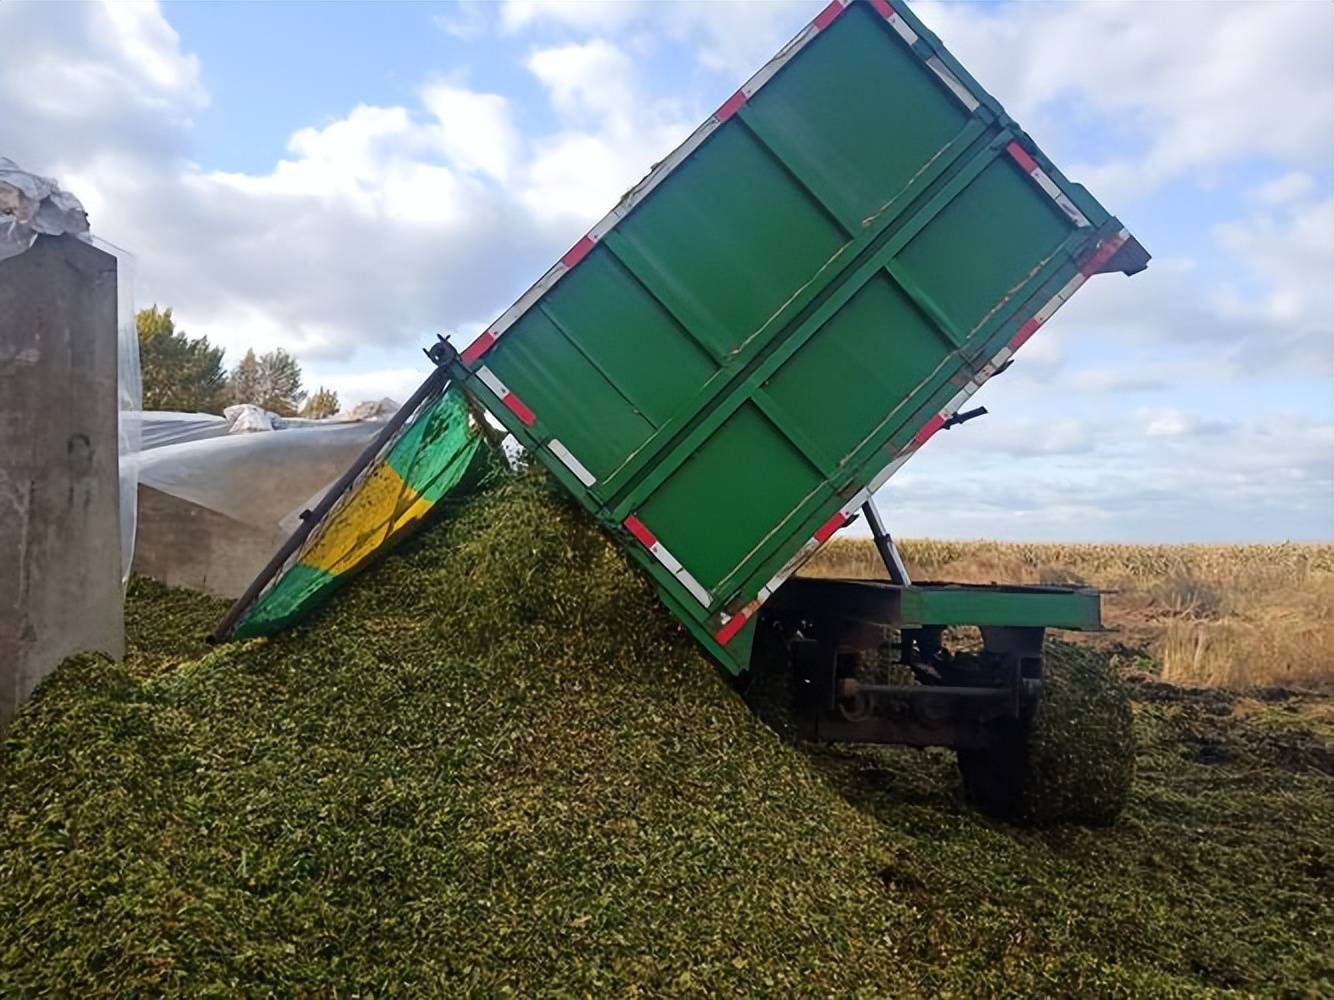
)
(442, 352)
(963, 417)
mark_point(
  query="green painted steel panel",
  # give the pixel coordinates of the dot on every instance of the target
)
(729, 494)
(1079, 610)
(788, 305)
(727, 239)
(619, 325)
(996, 231)
(546, 369)
(856, 118)
(879, 335)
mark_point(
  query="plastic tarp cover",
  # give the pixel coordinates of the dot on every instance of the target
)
(434, 455)
(32, 206)
(129, 401)
(159, 428)
(255, 478)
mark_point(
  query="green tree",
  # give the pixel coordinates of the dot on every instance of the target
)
(179, 372)
(272, 380)
(322, 403)
(244, 380)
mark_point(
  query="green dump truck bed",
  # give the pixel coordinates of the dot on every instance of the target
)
(771, 322)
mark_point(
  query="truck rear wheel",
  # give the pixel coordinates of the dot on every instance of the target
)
(1070, 760)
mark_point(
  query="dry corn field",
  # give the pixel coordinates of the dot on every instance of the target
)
(1233, 616)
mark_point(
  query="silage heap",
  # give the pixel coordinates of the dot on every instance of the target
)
(497, 764)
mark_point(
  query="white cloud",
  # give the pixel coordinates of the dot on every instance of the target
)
(1292, 248)
(354, 387)
(1288, 187)
(732, 36)
(384, 226)
(78, 78)
(618, 132)
(1177, 87)
(477, 131)
(466, 20)
(595, 16)
(593, 80)
(1114, 380)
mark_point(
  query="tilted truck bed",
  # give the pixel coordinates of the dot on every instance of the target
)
(768, 325)
(761, 332)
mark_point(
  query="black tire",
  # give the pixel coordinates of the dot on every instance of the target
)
(1071, 761)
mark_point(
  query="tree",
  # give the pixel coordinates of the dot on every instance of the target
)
(272, 380)
(322, 403)
(179, 372)
(244, 380)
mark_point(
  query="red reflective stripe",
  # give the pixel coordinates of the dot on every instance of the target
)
(1025, 331)
(829, 527)
(730, 106)
(640, 531)
(828, 16)
(927, 429)
(478, 347)
(577, 252)
(734, 625)
(884, 9)
(1021, 158)
(1105, 253)
(520, 408)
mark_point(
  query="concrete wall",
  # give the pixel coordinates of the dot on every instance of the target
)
(187, 545)
(60, 590)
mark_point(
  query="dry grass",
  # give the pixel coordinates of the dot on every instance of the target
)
(1232, 616)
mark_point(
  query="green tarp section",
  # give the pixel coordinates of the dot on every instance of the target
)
(435, 454)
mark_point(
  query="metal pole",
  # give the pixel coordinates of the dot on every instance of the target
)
(435, 383)
(898, 573)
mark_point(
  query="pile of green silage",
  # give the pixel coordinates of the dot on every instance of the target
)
(496, 766)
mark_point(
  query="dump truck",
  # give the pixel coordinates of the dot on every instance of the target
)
(726, 368)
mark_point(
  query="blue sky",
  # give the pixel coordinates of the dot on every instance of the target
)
(345, 180)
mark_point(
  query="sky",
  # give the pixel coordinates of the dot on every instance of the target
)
(346, 180)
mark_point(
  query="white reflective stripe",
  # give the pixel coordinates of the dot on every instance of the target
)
(1071, 286)
(527, 299)
(1053, 192)
(1059, 299)
(573, 464)
(489, 379)
(655, 176)
(906, 33)
(666, 558)
(693, 585)
(1068, 207)
(950, 80)
(1045, 182)
(853, 505)
(789, 567)
(957, 401)
(673, 566)
(889, 470)
(1045, 313)
(766, 72)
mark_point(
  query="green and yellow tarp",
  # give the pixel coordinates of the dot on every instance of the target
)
(435, 454)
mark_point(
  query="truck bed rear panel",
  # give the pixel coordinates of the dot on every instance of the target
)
(789, 305)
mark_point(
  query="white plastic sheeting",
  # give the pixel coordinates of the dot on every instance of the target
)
(159, 428)
(32, 206)
(257, 479)
(129, 399)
